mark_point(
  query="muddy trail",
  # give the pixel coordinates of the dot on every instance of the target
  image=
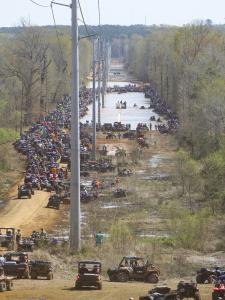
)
(152, 184)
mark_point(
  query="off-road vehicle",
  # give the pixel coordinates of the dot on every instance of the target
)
(89, 274)
(25, 244)
(204, 275)
(184, 290)
(188, 290)
(24, 191)
(6, 283)
(119, 193)
(160, 293)
(54, 202)
(218, 292)
(134, 268)
(16, 265)
(8, 238)
(40, 268)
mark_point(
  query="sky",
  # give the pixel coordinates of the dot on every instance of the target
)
(123, 12)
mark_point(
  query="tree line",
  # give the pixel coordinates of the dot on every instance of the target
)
(186, 66)
(35, 71)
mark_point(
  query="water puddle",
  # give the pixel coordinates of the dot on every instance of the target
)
(159, 177)
(155, 160)
(154, 235)
(132, 115)
(110, 206)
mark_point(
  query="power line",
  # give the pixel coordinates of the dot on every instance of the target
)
(57, 35)
(38, 4)
(99, 14)
(82, 15)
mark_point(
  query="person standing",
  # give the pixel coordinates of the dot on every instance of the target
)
(18, 236)
(99, 238)
(2, 260)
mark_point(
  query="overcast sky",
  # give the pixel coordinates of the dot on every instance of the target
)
(124, 12)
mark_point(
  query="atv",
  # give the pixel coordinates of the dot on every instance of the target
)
(218, 292)
(16, 265)
(184, 290)
(119, 193)
(89, 274)
(6, 283)
(134, 268)
(24, 191)
(205, 276)
(54, 202)
(40, 268)
(160, 293)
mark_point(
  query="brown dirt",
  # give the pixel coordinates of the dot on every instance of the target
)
(28, 214)
(63, 289)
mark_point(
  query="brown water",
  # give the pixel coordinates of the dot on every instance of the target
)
(132, 115)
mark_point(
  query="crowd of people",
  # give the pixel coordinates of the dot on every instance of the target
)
(161, 108)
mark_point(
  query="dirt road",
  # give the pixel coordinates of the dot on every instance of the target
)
(28, 214)
(63, 289)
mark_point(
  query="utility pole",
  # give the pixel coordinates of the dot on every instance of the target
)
(104, 62)
(99, 79)
(93, 104)
(21, 110)
(75, 137)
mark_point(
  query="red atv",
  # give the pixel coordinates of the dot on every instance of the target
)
(219, 292)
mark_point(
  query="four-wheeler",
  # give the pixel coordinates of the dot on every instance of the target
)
(188, 290)
(24, 191)
(89, 274)
(6, 283)
(184, 290)
(160, 293)
(205, 276)
(54, 202)
(40, 268)
(134, 268)
(8, 238)
(25, 244)
(16, 265)
(218, 291)
(119, 193)
(124, 172)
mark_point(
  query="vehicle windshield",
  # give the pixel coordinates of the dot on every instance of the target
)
(89, 268)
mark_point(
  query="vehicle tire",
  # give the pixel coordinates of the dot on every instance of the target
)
(2, 287)
(144, 298)
(215, 295)
(29, 196)
(152, 278)
(33, 275)
(197, 296)
(99, 286)
(19, 197)
(9, 286)
(32, 192)
(199, 278)
(50, 276)
(77, 286)
(113, 277)
(122, 277)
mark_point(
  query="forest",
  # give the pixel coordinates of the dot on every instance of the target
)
(35, 72)
(186, 66)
